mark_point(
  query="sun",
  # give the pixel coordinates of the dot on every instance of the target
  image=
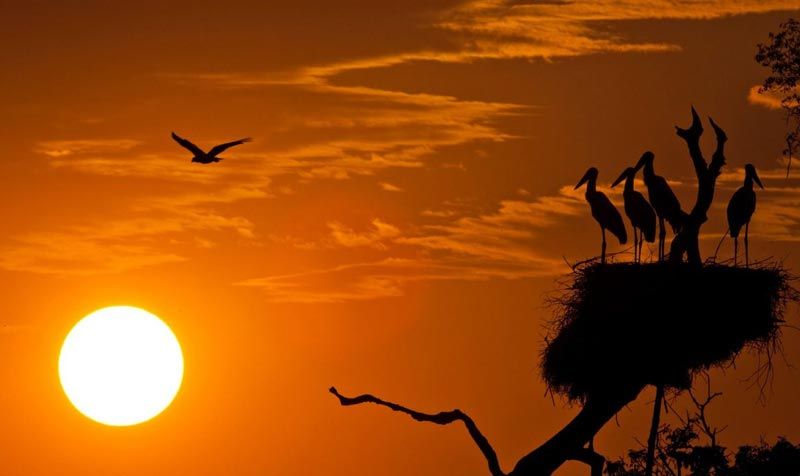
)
(121, 366)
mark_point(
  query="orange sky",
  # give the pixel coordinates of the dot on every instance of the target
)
(393, 228)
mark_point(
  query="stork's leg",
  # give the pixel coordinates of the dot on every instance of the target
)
(641, 244)
(603, 252)
(735, 251)
(746, 246)
(635, 245)
(662, 235)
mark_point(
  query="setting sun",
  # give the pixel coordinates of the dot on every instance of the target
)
(121, 366)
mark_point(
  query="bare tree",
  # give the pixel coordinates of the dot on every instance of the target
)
(686, 242)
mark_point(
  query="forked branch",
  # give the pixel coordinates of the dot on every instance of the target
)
(441, 418)
(686, 242)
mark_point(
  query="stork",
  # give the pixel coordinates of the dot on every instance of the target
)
(640, 213)
(200, 156)
(603, 210)
(740, 210)
(662, 198)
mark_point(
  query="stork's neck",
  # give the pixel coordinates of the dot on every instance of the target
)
(648, 170)
(748, 182)
(591, 186)
(629, 183)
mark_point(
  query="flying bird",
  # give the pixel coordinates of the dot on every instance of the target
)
(662, 198)
(603, 211)
(740, 210)
(640, 213)
(207, 157)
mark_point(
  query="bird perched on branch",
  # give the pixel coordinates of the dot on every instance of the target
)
(663, 200)
(639, 211)
(740, 211)
(603, 211)
(211, 156)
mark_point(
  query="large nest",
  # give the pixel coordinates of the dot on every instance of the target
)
(625, 324)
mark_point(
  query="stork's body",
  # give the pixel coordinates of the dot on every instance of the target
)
(603, 211)
(639, 212)
(663, 200)
(740, 211)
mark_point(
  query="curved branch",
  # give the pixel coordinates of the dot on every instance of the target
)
(441, 418)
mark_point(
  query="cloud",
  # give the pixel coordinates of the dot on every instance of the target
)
(769, 99)
(503, 236)
(372, 280)
(65, 148)
(495, 245)
(388, 187)
(147, 236)
(69, 254)
(374, 238)
(510, 29)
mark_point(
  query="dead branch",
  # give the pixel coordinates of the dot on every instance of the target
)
(686, 241)
(441, 418)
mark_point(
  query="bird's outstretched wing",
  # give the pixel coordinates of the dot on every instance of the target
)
(217, 149)
(188, 145)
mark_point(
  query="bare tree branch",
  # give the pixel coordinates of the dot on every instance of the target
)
(686, 242)
(441, 418)
(692, 138)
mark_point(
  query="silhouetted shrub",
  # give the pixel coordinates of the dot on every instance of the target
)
(623, 324)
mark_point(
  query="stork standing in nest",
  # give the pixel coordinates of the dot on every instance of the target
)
(663, 200)
(740, 211)
(603, 211)
(640, 213)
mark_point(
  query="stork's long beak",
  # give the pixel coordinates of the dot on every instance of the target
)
(756, 179)
(583, 181)
(622, 177)
(641, 162)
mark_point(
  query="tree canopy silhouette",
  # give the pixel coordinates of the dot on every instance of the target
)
(781, 54)
(693, 448)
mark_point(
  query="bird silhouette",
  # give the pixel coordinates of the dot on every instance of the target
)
(603, 211)
(662, 198)
(639, 211)
(740, 210)
(207, 157)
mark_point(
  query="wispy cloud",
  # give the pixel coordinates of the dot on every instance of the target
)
(512, 29)
(388, 187)
(146, 239)
(64, 148)
(380, 233)
(768, 99)
(503, 236)
(373, 280)
(496, 245)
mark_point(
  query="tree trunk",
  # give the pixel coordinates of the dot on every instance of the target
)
(687, 241)
(568, 444)
(652, 440)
